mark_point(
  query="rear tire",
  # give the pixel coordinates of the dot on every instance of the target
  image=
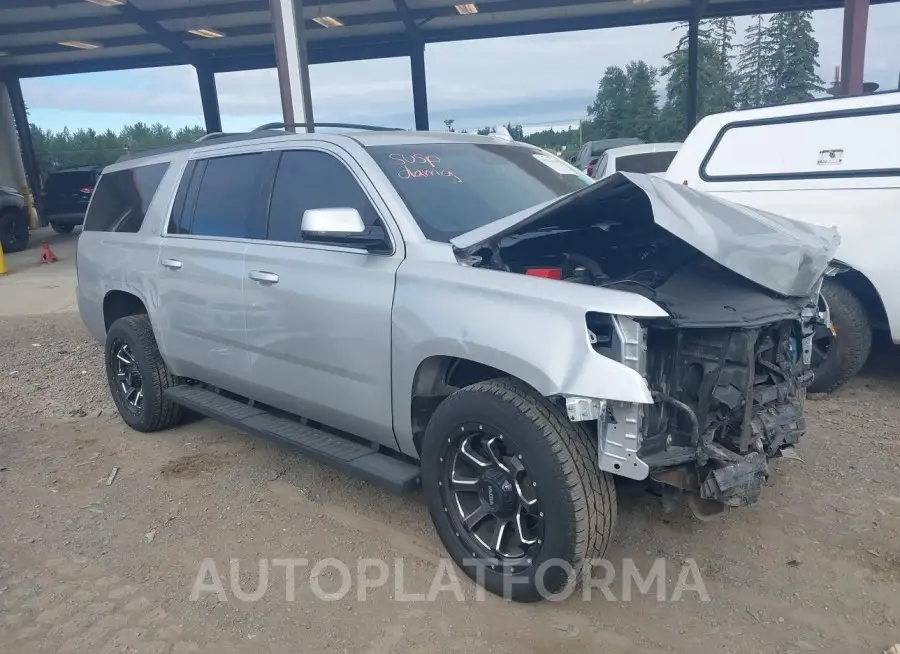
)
(139, 398)
(13, 230)
(549, 459)
(849, 348)
(62, 228)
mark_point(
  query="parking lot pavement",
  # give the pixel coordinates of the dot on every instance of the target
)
(31, 287)
(135, 564)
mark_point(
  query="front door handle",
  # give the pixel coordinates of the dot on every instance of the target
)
(263, 277)
(171, 264)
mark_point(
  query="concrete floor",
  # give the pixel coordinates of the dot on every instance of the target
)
(30, 287)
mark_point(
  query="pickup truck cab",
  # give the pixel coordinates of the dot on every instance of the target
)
(461, 313)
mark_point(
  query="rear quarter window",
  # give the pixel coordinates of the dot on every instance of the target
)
(122, 198)
(648, 162)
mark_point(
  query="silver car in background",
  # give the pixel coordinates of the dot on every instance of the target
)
(463, 314)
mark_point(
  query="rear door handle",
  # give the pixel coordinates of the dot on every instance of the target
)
(263, 277)
(171, 264)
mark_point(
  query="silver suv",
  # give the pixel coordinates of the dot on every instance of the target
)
(461, 313)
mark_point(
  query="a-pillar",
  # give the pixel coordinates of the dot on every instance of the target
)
(291, 56)
(856, 20)
(209, 98)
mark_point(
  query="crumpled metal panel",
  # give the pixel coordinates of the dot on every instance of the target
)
(786, 256)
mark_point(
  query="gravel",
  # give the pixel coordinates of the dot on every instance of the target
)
(51, 369)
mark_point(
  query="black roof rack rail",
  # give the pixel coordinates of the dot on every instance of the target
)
(371, 128)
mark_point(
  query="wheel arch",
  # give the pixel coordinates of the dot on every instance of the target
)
(120, 304)
(440, 375)
(865, 291)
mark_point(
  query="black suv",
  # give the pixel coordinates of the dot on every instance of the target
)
(66, 195)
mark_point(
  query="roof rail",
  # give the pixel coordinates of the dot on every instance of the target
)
(372, 128)
(212, 135)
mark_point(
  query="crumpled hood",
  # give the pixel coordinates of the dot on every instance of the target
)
(786, 256)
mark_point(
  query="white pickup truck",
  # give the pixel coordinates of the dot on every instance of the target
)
(830, 162)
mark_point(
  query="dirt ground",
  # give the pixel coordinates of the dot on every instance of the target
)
(92, 567)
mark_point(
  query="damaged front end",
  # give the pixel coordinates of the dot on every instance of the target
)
(727, 369)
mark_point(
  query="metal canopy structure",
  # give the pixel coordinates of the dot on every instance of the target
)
(147, 33)
(40, 38)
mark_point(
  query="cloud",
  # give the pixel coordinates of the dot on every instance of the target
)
(531, 80)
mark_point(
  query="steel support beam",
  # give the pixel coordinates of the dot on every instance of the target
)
(157, 32)
(209, 98)
(419, 87)
(29, 157)
(292, 61)
(856, 21)
(416, 65)
(698, 8)
(693, 76)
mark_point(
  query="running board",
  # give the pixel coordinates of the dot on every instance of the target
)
(364, 461)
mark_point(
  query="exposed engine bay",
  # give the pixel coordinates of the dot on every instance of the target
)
(727, 370)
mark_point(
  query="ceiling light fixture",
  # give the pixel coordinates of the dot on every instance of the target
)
(328, 21)
(207, 33)
(80, 45)
(107, 3)
(466, 9)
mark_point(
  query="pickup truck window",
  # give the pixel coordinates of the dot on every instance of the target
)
(226, 195)
(121, 199)
(308, 179)
(451, 188)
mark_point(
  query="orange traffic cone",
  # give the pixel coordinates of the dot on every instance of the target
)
(47, 255)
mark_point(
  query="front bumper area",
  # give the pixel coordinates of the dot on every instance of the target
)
(725, 402)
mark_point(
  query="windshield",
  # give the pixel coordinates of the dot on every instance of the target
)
(452, 188)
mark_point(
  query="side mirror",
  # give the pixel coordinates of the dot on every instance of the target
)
(343, 226)
(338, 222)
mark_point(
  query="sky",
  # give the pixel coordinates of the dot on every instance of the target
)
(536, 81)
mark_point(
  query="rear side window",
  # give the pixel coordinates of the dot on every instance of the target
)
(70, 181)
(122, 198)
(222, 198)
(648, 162)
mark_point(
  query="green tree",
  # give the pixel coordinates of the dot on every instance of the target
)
(714, 73)
(641, 110)
(87, 147)
(793, 58)
(485, 131)
(722, 32)
(753, 82)
(515, 131)
(608, 114)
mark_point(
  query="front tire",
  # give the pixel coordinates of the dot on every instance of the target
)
(840, 353)
(498, 453)
(13, 230)
(138, 376)
(62, 228)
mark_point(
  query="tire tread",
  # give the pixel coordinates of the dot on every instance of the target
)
(592, 492)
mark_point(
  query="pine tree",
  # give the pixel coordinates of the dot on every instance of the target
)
(793, 59)
(609, 112)
(714, 72)
(753, 82)
(641, 111)
(722, 32)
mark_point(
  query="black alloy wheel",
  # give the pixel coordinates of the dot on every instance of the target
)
(493, 500)
(129, 382)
